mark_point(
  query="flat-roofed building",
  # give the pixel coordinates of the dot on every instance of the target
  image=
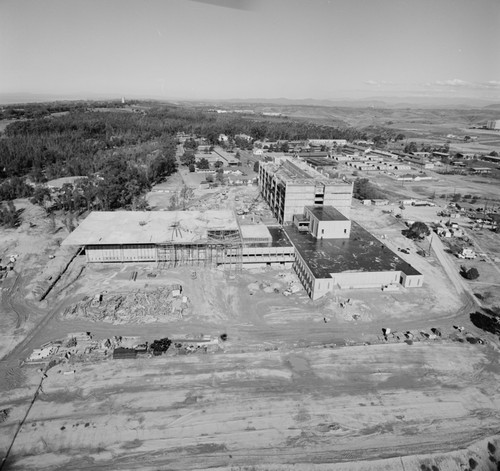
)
(323, 222)
(357, 261)
(326, 142)
(178, 238)
(290, 184)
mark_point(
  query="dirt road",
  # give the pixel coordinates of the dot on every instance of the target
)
(295, 407)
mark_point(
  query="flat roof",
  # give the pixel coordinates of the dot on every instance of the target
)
(254, 231)
(362, 252)
(320, 161)
(149, 227)
(294, 171)
(326, 213)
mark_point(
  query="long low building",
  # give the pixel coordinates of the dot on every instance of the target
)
(348, 257)
(177, 238)
(326, 249)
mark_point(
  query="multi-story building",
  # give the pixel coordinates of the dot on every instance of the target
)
(290, 184)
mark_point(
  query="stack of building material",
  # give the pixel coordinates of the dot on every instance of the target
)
(122, 353)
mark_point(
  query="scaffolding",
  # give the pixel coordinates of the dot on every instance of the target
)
(228, 254)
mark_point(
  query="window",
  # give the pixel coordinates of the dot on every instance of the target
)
(345, 231)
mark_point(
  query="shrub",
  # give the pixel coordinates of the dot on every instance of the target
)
(470, 274)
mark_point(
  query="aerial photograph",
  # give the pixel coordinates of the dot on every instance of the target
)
(250, 235)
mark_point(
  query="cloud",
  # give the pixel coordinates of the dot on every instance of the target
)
(377, 83)
(459, 83)
(492, 84)
(453, 83)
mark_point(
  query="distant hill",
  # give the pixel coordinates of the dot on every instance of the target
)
(370, 102)
(380, 102)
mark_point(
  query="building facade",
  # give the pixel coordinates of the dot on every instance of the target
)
(493, 124)
(290, 184)
(180, 238)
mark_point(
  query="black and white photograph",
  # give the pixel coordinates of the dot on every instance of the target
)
(250, 235)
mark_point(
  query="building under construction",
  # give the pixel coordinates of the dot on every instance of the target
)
(288, 184)
(180, 238)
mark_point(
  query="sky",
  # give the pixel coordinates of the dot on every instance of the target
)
(223, 49)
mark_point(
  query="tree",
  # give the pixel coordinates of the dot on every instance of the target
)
(411, 147)
(68, 222)
(140, 203)
(418, 230)
(192, 168)
(41, 196)
(185, 195)
(380, 141)
(219, 175)
(363, 189)
(161, 167)
(188, 158)
(203, 164)
(174, 201)
(256, 167)
(190, 144)
(400, 137)
(218, 164)
(470, 274)
(9, 216)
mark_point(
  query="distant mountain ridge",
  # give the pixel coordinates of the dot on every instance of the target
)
(372, 102)
(368, 102)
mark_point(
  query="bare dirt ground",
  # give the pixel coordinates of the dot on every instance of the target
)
(37, 242)
(284, 394)
(228, 411)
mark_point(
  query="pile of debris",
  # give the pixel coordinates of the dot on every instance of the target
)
(293, 288)
(160, 305)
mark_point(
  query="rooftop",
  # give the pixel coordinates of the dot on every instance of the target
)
(320, 161)
(295, 171)
(150, 227)
(326, 213)
(255, 231)
(362, 252)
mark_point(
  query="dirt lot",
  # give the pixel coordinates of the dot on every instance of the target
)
(40, 259)
(283, 408)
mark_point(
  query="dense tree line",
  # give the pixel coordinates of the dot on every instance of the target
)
(121, 152)
(14, 187)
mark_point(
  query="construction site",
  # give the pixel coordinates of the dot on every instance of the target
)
(209, 339)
